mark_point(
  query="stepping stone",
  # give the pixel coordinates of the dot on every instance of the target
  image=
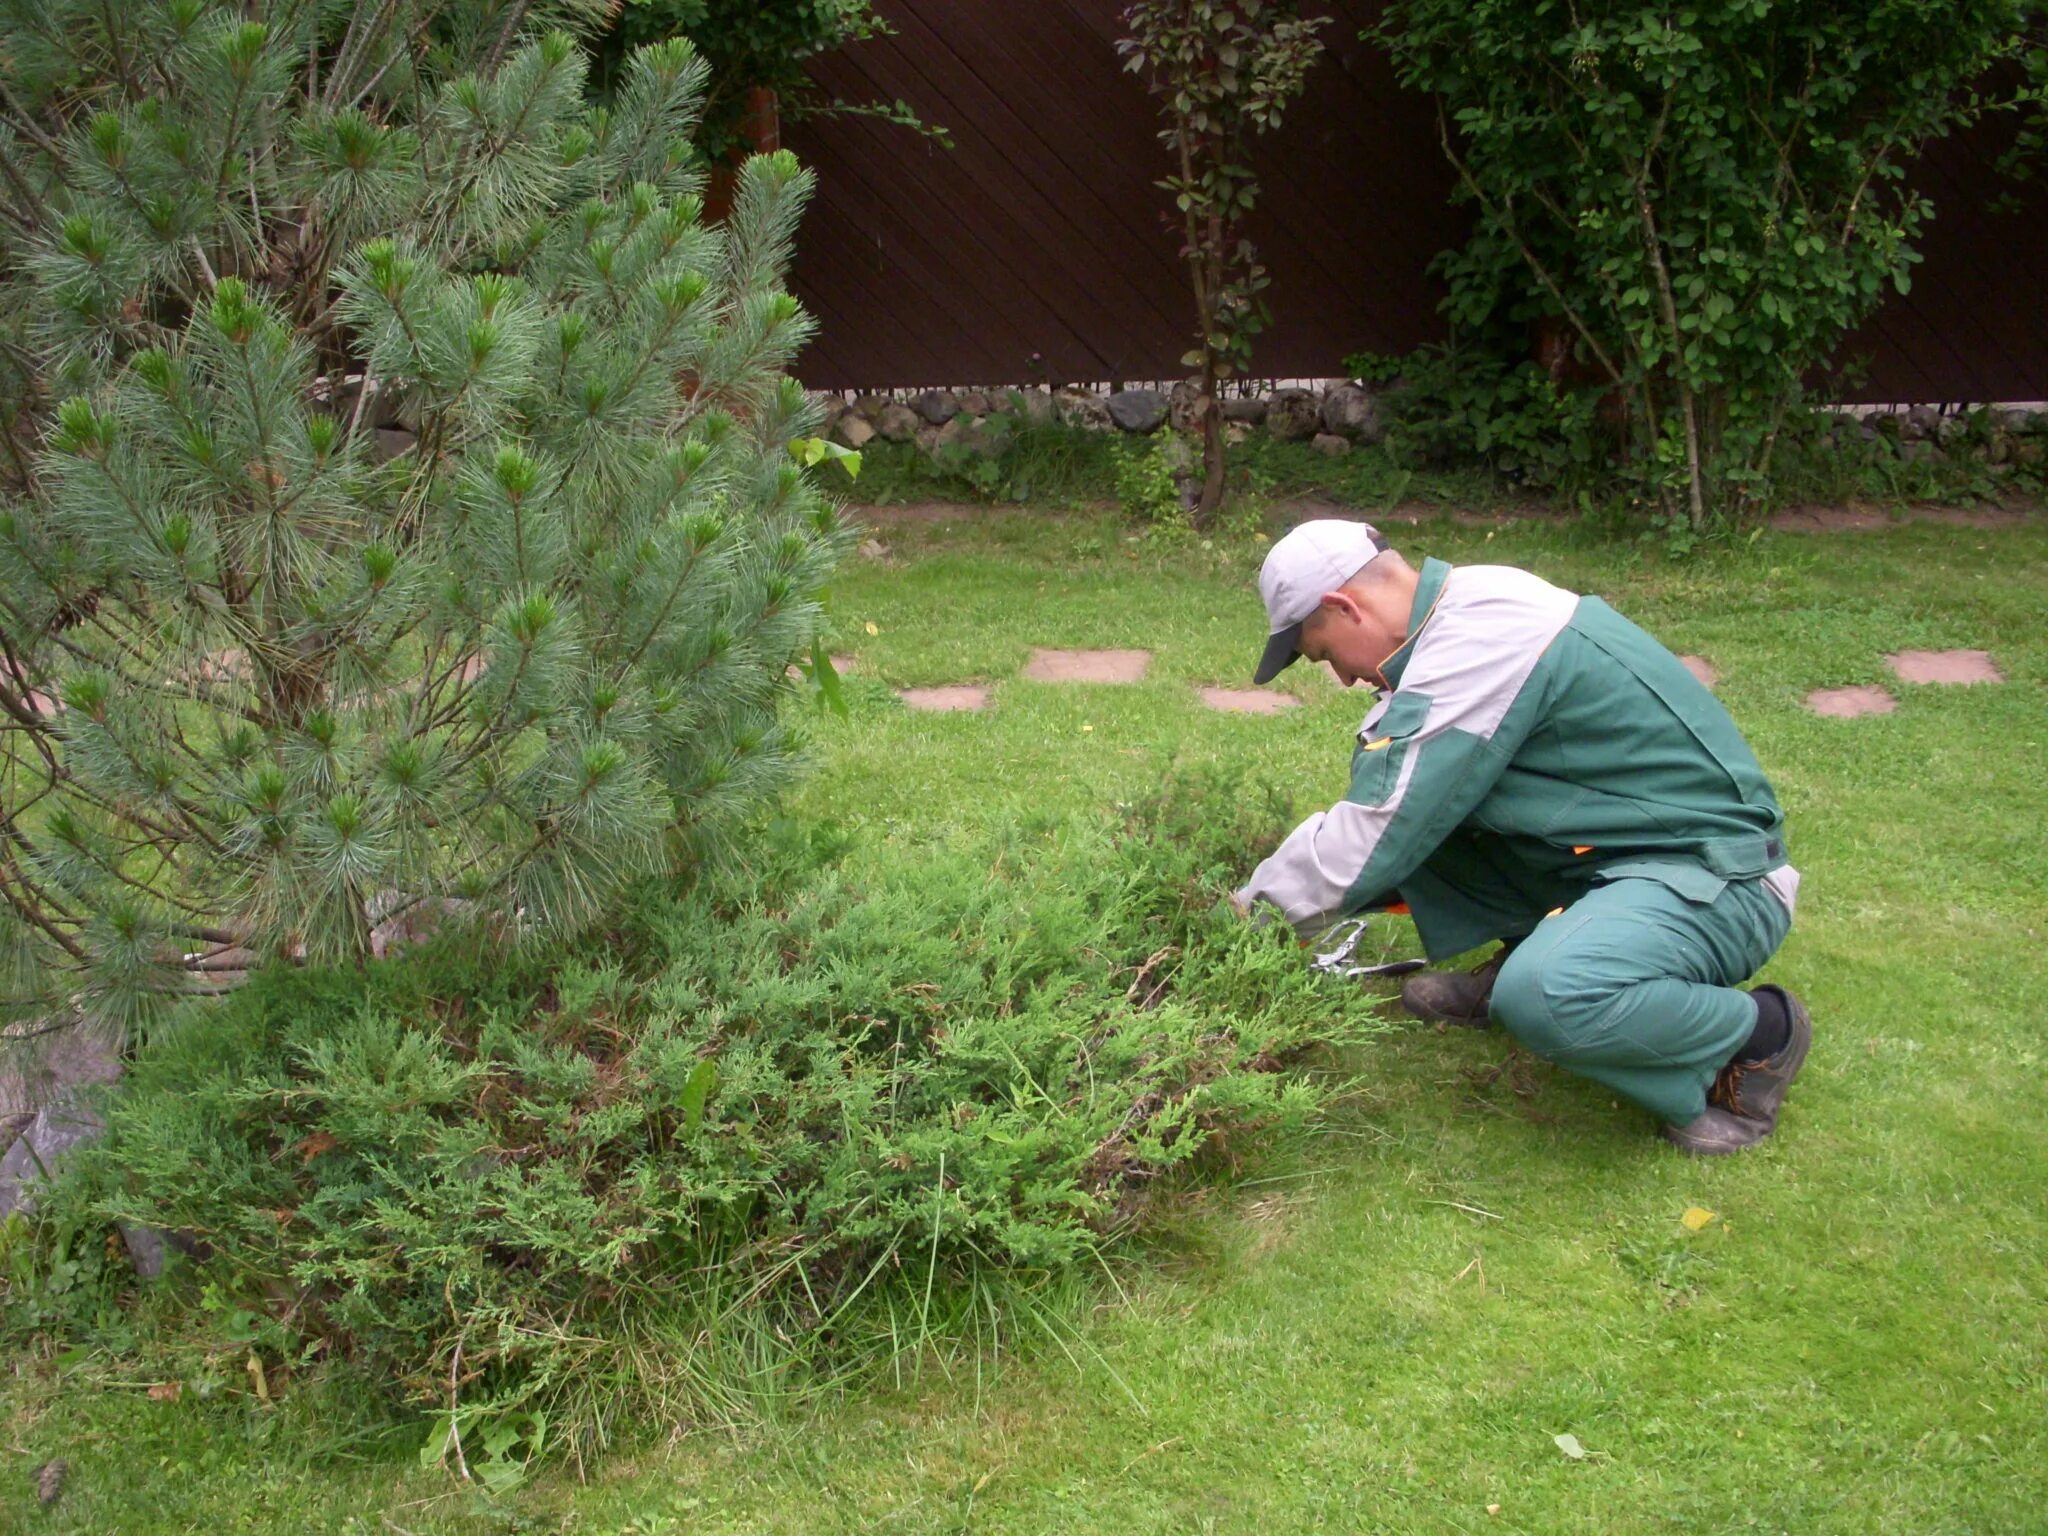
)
(1847, 703)
(1247, 701)
(1946, 667)
(960, 696)
(1700, 668)
(1088, 666)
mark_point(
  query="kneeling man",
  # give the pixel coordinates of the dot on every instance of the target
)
(1540, 771)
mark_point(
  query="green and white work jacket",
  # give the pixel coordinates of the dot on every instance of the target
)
(1535, 742)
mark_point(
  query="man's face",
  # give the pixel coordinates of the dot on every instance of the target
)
(1349, 638)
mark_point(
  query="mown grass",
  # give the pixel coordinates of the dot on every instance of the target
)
(1857, 1342)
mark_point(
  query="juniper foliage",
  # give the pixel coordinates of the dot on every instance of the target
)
(395, 496)
(764, 1132)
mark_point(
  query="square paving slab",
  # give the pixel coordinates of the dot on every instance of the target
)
(1247, 701)
(959, 696)
(1847, 703)
(1087, 666)
(1946, 667)
(1700, 668)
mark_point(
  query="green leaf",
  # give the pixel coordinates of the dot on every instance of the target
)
(825, 678)
(812, 451)
(697, 1091)
(434, 1449)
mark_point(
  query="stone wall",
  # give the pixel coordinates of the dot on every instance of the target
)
(1334, 415)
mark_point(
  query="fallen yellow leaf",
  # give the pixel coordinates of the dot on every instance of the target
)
(1695, 1218)
(874, 628)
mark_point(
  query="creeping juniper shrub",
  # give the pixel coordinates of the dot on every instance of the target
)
(751, 1119)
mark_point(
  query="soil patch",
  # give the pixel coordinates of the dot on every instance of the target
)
(1848, 703)
(1700, 668)
(1857, 519)
(1088, 666)
(1311, 505)
(1247, 701)
(947, 700)
(1945, 667)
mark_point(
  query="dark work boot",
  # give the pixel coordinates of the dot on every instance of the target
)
(1456, 997)
(1742, 1106)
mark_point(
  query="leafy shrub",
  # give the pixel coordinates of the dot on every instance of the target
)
(1149, 473)
(640, 1175)
(1456, 404)
(1028, 455)
(1705, 202)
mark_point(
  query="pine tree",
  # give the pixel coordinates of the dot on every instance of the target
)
(396, 501)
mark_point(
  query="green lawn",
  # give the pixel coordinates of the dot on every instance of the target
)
(1857, 1342)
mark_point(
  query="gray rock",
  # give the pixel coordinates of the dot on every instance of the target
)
(1083, 408)
(927, 436)
(1292, 415)
(1185, 463)
(1921, 421)
(853, 430)
(1137, 410)
(974, 435)
(145, 1250)
(44, 1087)
(400, 921)
(1352, 412)
(1247, 410)
(1330, 443)
(897, 423)
(390, 442)
(1034, 405)
(975, 403)
(870, 406)
(937, 406)
(1184, 406)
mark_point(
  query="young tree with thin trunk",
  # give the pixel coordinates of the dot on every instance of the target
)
(1225, 72)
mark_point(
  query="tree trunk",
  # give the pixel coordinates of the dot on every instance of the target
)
(1212, 457)
(760, 133)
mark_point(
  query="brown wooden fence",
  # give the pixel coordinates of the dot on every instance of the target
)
(1035, 249)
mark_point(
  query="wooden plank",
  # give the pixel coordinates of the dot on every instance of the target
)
(976, 189)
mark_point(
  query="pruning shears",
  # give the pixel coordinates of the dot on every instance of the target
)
(1343, 940)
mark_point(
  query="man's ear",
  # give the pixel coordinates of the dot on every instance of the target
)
(1343, 604)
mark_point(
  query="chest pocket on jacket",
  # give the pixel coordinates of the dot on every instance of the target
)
(1384, 746)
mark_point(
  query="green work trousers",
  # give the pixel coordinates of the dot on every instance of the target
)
(1634, 986)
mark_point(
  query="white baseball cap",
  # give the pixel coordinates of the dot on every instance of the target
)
(1315, 558)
